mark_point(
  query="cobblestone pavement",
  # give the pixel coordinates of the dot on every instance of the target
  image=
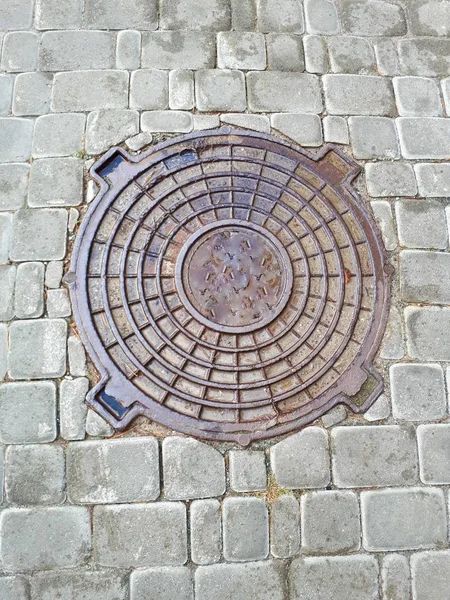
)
(352, 508)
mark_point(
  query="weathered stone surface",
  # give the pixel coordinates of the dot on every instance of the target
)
(302, 460)
(243, 15)
(58, 304)
(5, 237)
(20, 51)
(106, 128)
(128, 51)
(403, 519)
(194, 14)
(380, 409)
(245, 529)
(321, 17)
(58, 135)
(284, 92)
(27, 545)
(29, 292)
(58, 14)
(424, 57)
(3, 350)
(220, 89)
(426, 329)
(365, 456)
(56, 182)
(430, 575)
(6, 93)
(434, 453)
(139, 141)
(15, 588)
(417, 97)
(167, 121)
(149, 90)
(372, 17)
(103, 472)
(334, 416)
(421, 224)
(32, 94)
(316, 54)
(351, 55)
(205, 531)
(285, 526)
(80, 585)
(28, 412)
(335, 130)
(247, 471)
(429, 17)
(284, 52)
(424, 137)
(433, 179)
(162, 583)
(113, 14)
(387, 57)
(140, 535)
(39, 235)
(72, 408)
(192, 469)
(418, 392)
(303, 129)
(393, 346)
(373, 137)
(54, 273)
(395, 577)
(35, 474)
(383, 213)
(241, 50)
(390, 179)
(96, 426)
(340, 578)
(178, 50)
(7, 287)
(275, 16)
(81, 91)
(77, 355)
(421, 277)
(181, 89)
(16, 14)
(77, 50)
(358, 95)
(246, 121)
(15, 140)
(262, 580)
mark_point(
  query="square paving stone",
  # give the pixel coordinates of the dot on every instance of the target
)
(428, 17)
(140, 535)
(285, 52)
(113, 471)
(418, 392)
(434, 453)
(45, 538)
(58, 304)
(220, 89)
(28, 412)
(58, 135)
(32, 94)
(56, 182)
(247, 471)
(430, 575)
(403, 519)
(162, 583)
(205, 525)
(13, 185)
(106, 128)
(271, 91)
(178, 50)
(351, 55)
(426, 332)
(15, 139)
(121, 14)
(373, 137)
(285, 526)
(421, 224)
(58, 14)
(14, 588)
(149, 89)
(37, 349)
(330, 522)
(433, 179)
(16, 14)
(80, 585)
(35, 474)
(20, 51)
(421, 276)
(335, 130)
(286, 16)
(304, 129)
(241, 50)
(39, 235)
(245, 529)
(195, 14)
(424, 137)
(417, 97)
(321, 17)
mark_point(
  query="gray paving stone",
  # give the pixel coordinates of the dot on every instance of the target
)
(383, 455)
(56, 182)
(149, 89)
(403, 519)
(58, 304)
(390, 179)
(321, 17)
(37, 349)
(340, 578)
(139, 141)
(15, 140)
(205, 526)
(114, 471)
(76, 353)
(82, 585)
(430, 575)
(122, 14)
(243, 15)
(72, 408)
(140, 535)
(245, 529)
(96, 426)
(426, 329)
(424, 138)
(434, 453)
(330, 522)
(334, 416)
(350, 54)
(194, 14)
(445, 84)
(433, 179)
(7, 286)
(192, 469)
(284, 52)
(335, 130)
(16, 14)
(35, 474)
(58, 14)
(27, 545)
(77, 50)
(302, 460)
(373, 137)
(162, 583)
(395, 576)
(262, 580)
(316, 54)
(105, 128)
(181, 89)
(81, 91)
(178, 50)
(29, 292)
(424, 57)
(39, 234)
(220, 90)
(32, 94)
(74, 214)
(380, 410)
(58, 135)
(393, 346)
(429, 17)
(358, 95)
(372, 18)
(285, 526)
(241, 50)
(5, 237)
(128, 51)
(15, 588)
(3, 350)
(382, 211)
(256, 122)
(274, 16)
(417, 97)
(386, 56)
(421, 224)
(167, 121)
(28, 412)
(271, 91)
(20, 51)
(421, 277)
(247, 471)
(6, 92)
(54, 273)
(306, 130)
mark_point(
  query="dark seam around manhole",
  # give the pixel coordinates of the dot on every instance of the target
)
(229, 286)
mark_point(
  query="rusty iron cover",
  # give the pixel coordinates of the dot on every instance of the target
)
(230, 286)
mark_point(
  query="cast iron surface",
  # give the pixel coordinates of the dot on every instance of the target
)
(229, 286)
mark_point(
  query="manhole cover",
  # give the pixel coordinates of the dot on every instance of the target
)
(229, 286)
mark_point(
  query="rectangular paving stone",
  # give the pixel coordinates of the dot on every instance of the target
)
(58, 135)
(16, 588)
(241, 50)
(195, 14)
(262, 580)
(149, 89)
(340, 578)
(32, 94)
(3, 350)
(426, 330)
(372, 18)
(79, 585)
(434, 453)
(433, 179)
(390, 179)
(284, 52)
(20, 51)
(6, 93)
(15, 139)
(275, 16)
(271, 91)
(81, 91)
(162, 583)
(417, 97)
(13, 185)
(321, 17)
(104, 472)
(77, 50)
(39, 234)
(430, 575)
(27, 545)
(358, 95)
(423, 138)
(387, 57)
(29, 292)
(16, 14)
(373, 137)
(72, 408)
(350, 54)
(403, 519)
(28, 412)
(304, 129)
(58, 14)
(5, 237)
(181, 89)
(145, 535)
(285, 526)
(121, 14)
(316, 54)
(256, 122)
(128, 50)
(105, 128)
(58, 304)
(247, 471)
(421, 224)
(205, 527)
(35, 474)
(56, 182)
(178, 50)
(7, 286)
(421, 276)
(364, 456)
(243, 15)
(77, 356)
(393, 345)
(424, 57)
(166, 121)
(245, 529)
(395, 577)
(220, 90)
(428, 17)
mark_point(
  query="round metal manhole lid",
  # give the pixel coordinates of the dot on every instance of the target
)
(230, 286)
